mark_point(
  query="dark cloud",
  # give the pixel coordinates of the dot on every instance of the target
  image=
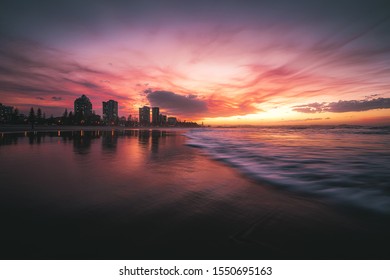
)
(86, 84)
(73, 67)
(177, 104)
(359, 105)
(310, 108)
(192, 96)
(30, 90)
(147, 91)
(344, 106)
(89, 85)
(40, 98)
(56, 98)
(368, 97)
(33, 63)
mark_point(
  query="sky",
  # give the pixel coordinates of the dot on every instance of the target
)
(217, 62)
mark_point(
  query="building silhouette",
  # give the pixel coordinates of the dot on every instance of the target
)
(110, 112)
(156, 116)
(83, 106)
(163, 120)
(144, 116)
(5, 113)
(172, 121)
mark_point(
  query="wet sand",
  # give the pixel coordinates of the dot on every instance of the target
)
(189, 207)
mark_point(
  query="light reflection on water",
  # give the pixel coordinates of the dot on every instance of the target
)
(86, 169)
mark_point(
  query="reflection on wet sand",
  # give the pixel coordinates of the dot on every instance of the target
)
(82, 139)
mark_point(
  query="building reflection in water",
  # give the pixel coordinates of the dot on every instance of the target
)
(143, 138)
(8, 139)
(35, 138)
(83, 140)
(156, 134)
(110, 140)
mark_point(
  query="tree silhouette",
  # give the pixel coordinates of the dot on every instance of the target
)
(70, 118)
(64, 118)
(15, 115)
(51, 120)
(31, 117)
(39, 116)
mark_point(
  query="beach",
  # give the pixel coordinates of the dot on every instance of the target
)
(146, 194)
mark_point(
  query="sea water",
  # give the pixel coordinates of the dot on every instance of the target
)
(349, 164)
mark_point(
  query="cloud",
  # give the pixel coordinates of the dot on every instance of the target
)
(359, 105)
(31, 71)
(86, 84)
(344, 106)
(313, 119)
(148, 91)
(310, 108)
(304, 120)
(192, 96)
(177, 104)
(220, 105)
(368, 97)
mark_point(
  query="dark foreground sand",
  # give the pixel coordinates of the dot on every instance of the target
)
(205, 210)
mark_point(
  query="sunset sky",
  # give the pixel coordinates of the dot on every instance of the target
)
(221, 62)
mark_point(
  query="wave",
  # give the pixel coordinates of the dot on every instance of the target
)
(338, 165)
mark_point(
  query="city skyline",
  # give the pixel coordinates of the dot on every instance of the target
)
(225, 62)
(83, 114)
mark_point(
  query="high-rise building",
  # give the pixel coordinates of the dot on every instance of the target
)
(83, 106)
(144, 115)
(155, 115)
(172, 121)
(163, 119)
(110, 111)
(5, 112)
